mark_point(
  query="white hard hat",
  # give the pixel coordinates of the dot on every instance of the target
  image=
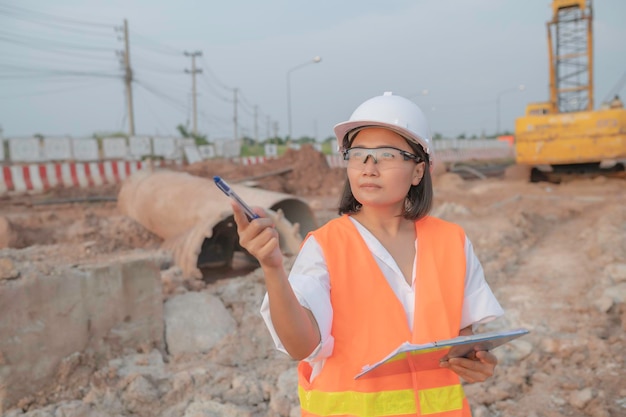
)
(392, 112)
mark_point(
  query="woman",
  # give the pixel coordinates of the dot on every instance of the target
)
(381, 274)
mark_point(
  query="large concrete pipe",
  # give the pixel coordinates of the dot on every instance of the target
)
(195, 218)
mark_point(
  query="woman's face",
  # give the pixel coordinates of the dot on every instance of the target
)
(387, 182)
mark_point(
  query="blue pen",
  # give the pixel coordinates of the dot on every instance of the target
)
(221, 184)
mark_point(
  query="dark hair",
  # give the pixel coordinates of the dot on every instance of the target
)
(419, 199)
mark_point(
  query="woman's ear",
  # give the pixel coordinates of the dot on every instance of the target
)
(418, 173)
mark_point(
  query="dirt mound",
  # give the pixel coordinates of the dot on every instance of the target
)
(302, 172)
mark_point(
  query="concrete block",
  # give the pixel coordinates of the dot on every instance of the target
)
(95, 309)
(114, 148)
(85, 149)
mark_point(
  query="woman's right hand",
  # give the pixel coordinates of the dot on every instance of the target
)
(259, 237)
(295, 325)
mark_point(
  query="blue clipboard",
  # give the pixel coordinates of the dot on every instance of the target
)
(410, 357)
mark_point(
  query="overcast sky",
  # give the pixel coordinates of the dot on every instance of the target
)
(59, 73)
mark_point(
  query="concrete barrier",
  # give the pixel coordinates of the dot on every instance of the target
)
(32, 178)
(87, 172)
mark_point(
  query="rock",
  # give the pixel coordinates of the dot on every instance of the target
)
(616, 272)
(215, 409)
(520, 350)
(150, 364)
(8, 236)
(449, 180)
(603, 303)
(617, 292)
(286, 394)
(480, 411)
(450, 211)
(195, 322)
(244, 391)
(8, 270)
(579, 399)
(140, 395)
(549, 345)
(517, 172)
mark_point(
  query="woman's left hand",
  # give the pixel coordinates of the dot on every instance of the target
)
(476, 369)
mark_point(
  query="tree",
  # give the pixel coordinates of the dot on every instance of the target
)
(305, 139)
(100, 135)
(276, 140)
(199, 139)
(246, 140)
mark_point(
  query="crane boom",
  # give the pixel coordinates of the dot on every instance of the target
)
(570, 46)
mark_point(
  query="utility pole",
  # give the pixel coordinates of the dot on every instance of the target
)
(276, 130)
(235, 114)
(193, 73)
(128, 80)
(256, 123)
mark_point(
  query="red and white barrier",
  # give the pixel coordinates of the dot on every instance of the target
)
(33, 178)
(335, 161)
(252, 160)
(43, 176)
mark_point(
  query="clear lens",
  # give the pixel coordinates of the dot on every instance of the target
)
(385, 157)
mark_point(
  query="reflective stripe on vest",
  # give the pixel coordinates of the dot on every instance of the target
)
(381, 404)
(369, 322)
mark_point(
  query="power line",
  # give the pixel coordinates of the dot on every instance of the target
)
(56, 91)
(161, 95)
(158, 46)
(158, 79)
(53, 43)
(212, 74)
(22, 68)
(50, 73)
(53, 62)
(156, 117)
(177, 103)
(154, 67)
(47, 23)
(246, 102)
(56, 44)
(46, 49)
(616, 89)
(15, 10)
(214, 91)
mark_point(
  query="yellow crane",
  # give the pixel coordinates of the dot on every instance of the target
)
(566, 135)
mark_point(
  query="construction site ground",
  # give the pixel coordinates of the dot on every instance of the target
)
(554, 255)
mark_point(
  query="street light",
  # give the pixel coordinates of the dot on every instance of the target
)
(424, 92)
(521, 87)
(313, 61)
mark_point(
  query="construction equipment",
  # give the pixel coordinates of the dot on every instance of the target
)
(566, 135)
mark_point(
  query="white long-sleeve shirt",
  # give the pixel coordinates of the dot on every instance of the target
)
(311, 284)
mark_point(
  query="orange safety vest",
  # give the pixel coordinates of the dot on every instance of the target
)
(369, 322)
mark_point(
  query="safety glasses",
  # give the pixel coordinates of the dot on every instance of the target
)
(384, 157)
